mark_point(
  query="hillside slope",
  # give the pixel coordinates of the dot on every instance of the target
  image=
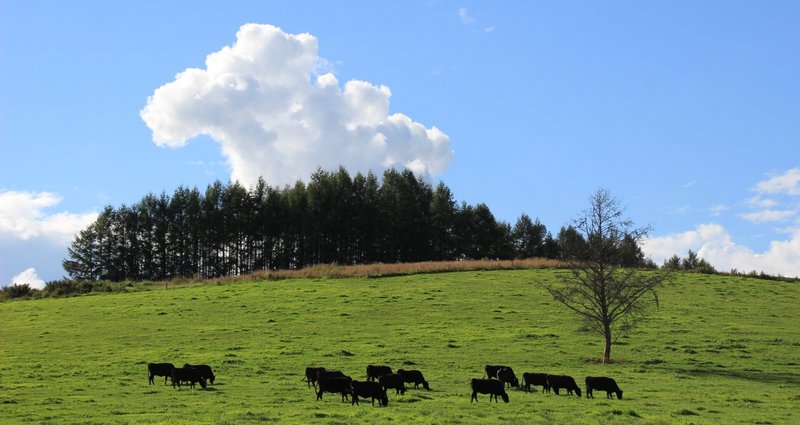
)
(718, 350)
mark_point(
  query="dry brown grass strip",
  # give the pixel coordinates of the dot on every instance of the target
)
(399, 269)
(376, 270)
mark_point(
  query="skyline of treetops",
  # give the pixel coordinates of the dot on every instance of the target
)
(230, 230)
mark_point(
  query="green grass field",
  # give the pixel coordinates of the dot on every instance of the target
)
(718, 350)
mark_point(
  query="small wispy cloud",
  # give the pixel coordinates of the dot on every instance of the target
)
(778, 207)
(717, 210)
(682, 210)
(466, 19)
(325, 66)
(768, 216)
(786, 183)
(759, 202)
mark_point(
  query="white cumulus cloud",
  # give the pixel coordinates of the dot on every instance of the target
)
(23, 216)
(713, 243)
(28, 276)
(274, 116)
(34, 239)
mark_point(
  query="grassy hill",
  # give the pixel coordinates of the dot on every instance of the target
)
(719, 350)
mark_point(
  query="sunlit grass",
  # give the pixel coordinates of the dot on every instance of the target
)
(719, 350)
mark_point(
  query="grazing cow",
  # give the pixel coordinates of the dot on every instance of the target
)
(311, 375)
(395, 381)
(159, 369)
(493, 387)
(375, 372)
(491, 371)
(602, 383)
(414, 376)
(336, 384)
(369, 389)
(535, 379)
(205, 371)
(187, 374)
(557, 382)
(506, 376)
(330, 374)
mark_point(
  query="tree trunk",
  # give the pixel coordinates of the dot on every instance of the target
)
(607, 350)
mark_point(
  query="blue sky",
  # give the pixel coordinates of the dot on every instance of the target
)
(688, 111)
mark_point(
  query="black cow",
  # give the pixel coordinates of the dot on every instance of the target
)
(535, 379)
(369, 389)
(336, 384)
(414, 376)
(507, 376)
(159, 369)
(393, 380)
(311, 375)
(493, 387)
(557, 382)
(375, 372)
(491, 371)
(602, 383)
(330, 374)
(205, 371)
(187, 374)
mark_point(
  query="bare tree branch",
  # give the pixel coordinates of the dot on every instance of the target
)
(609, 297)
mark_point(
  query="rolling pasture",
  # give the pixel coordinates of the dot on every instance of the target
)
(718, 350)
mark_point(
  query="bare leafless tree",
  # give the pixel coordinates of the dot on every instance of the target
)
(609, 297)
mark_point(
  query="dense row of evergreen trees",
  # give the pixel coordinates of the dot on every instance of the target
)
(335, 218)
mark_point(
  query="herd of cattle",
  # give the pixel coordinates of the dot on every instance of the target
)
(190, 374)
(380, 379)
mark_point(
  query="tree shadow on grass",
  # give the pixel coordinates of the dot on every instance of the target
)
(786, 378)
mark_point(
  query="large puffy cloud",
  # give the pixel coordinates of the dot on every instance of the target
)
(275, 117)
(33, 240)
(713, 243)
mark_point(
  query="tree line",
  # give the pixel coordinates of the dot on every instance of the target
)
(229, 230)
